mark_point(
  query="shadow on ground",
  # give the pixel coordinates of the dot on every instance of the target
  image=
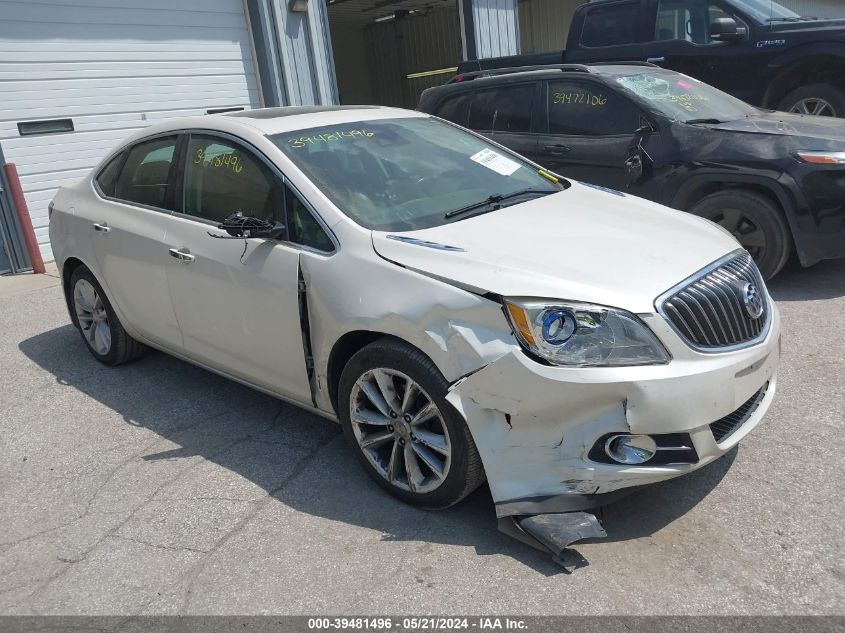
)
(160, 393)
(825, 280)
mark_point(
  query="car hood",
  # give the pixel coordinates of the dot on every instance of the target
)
(818, 129)
(581, 244)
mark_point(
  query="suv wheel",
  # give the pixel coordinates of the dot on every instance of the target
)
(755, 221)
(816, 99)
(392, 405)
(96, 320)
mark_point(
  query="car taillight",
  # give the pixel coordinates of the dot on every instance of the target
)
(458, 78)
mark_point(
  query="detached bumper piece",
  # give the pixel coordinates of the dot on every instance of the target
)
(554, 533)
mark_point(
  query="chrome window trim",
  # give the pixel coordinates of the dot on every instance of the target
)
(764, 332)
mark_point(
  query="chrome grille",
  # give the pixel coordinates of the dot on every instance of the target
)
(710, 311)
(725, 427)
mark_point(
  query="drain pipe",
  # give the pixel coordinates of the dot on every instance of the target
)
(24, 221)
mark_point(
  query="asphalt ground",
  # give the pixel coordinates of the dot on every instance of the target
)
(160, 488)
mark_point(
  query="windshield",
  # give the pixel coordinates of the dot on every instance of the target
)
(685, 99)
(408, 173)
(765, 10)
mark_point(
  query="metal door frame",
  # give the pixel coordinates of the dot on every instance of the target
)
(11, 239)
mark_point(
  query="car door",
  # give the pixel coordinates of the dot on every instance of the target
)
(128, 223)
(236, 299)
(589, 131)
(504, 114)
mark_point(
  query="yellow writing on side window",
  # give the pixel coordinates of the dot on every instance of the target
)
(582, 98)
(328, 137)
(230, 160)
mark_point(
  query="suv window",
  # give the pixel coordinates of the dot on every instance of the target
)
(221, 178)
(502, 109)
(610, 26)
(454, 108)
(587, 109)
(145, 177)
(303, 227)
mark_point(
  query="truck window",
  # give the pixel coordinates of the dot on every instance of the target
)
(587, 109)
(610, 26)
(502, 109)
(686, 20)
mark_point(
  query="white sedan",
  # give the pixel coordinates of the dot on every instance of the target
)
(463, 313)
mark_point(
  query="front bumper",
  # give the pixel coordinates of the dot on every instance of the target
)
(534, 425)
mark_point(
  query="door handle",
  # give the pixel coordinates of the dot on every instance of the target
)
(102, 228)
(558, 150)
(655, 60)
(182, 254)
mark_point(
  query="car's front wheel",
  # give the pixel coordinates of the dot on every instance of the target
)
(96, 320)
(755, 221)
(409, 439)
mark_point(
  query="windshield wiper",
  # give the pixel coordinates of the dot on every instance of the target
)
(699, 121)
(496, 198)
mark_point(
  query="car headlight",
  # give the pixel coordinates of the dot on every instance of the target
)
(583, 335)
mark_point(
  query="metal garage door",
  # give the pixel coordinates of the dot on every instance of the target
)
(111, 67)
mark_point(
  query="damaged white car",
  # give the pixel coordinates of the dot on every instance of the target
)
(462, 312)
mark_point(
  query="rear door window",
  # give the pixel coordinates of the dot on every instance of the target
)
(502, 109)
(610, 26)
(107, 178)
(454, 109)
(589, 109)
(146, 177)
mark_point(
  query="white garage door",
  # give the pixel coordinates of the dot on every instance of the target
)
(111, 67)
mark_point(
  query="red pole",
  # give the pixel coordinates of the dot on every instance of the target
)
(23, 218)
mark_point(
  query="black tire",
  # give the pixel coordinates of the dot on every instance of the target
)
(829, 99)
(122, 348)
(756, 221)
(465, 472)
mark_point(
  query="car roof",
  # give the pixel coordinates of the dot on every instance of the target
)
(270, 121)
(600, 70)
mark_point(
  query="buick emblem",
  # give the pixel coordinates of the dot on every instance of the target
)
(752, 300)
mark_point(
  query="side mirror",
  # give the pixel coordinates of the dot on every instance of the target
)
(726, 30)
(240, 226)
(637, 160)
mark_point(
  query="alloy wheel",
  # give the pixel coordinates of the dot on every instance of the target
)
(400, 430)
(815, 106)
(92, 316)
(748, 234)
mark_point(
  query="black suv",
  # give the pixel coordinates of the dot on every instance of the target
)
(756, 50)
(774, 180)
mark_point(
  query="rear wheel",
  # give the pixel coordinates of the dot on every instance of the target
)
(409, 439)
(96, 320)
(815, 99)
(755, 221)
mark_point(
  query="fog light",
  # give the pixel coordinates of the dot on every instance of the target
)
(630, 449)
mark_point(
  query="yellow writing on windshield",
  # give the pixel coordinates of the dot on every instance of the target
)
(328, 137)
(583, 98)
(229, 160)
(687, 100)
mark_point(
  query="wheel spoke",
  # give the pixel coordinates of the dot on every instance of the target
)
(408, 397)
(372, 392)
(731, 219)
(755, 237)
(432, 440)
(387, 389)
(412, 469)
(393, 464)
(802, 108)
(376, 439)
(374, 418)
(819, 107)
(103, 337)
(424, 414)
(429, 459)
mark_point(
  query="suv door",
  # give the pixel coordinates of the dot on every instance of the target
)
(504, 113)
(589, 131)
(236, 299)
(128, 225)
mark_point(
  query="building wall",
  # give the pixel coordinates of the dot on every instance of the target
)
(496, 28)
